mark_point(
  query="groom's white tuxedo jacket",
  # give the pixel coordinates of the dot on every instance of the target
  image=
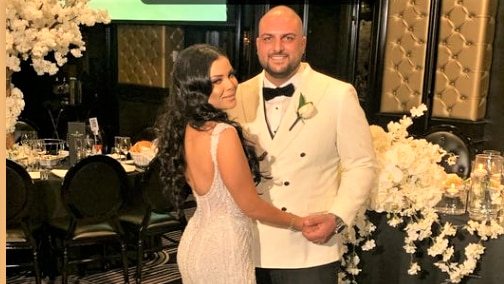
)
(325, 163)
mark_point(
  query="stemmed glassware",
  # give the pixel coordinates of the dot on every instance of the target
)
(125, 147)
(89, 147)
(27, 137)
(38, 148)
(122, 145)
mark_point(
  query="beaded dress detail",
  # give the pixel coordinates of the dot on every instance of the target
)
(216, 244)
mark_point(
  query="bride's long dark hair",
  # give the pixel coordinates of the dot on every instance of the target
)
(187, 104)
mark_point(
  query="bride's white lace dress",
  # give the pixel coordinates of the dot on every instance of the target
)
(216, 244)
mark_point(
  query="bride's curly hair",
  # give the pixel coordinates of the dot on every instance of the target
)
(187, 104)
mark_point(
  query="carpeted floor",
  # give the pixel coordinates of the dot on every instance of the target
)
(159, 268)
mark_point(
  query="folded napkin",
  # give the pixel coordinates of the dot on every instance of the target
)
(59, 172)
(34, 175)
(128, 168)
(114, 156)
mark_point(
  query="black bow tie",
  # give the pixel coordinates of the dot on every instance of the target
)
(269, 93)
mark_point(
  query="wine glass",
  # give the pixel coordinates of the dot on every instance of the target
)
(116, 151)
(125, 146)
(27, 136)
(89, 147)
(38, 148)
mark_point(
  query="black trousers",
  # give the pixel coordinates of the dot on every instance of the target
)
(323, 274)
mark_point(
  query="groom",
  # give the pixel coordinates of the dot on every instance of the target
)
(314, 142)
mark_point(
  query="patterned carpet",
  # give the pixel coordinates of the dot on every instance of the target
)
(159, 268)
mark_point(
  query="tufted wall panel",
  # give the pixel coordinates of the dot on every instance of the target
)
(146, 53)
(404, 62)
(464, 58)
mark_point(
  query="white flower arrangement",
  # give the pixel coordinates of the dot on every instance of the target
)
(34, 28)
(14, 104)
(410, 184)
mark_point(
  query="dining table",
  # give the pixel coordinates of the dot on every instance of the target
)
(388, 262)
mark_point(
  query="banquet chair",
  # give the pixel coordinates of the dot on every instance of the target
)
(92, 192)
(151, 216)
(19, 230)
(453, 141)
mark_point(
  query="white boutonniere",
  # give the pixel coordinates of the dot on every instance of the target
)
(305, 110)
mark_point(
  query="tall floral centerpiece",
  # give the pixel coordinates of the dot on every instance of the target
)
(409, 185)
(43, 32)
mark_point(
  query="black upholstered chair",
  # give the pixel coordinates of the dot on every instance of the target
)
(455, 142)
(92, 192)
(19, 233)
(151, 216)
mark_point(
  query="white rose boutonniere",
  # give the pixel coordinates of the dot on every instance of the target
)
(305, 110)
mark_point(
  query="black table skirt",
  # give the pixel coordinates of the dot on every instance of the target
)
(388, 263)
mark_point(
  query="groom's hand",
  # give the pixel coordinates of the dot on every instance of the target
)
(319, 228)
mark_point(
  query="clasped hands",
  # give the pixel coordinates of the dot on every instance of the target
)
(317, 228)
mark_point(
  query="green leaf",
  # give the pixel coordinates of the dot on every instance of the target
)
(301, 101)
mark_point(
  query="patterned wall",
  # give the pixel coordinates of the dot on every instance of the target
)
(463, 60)
(405, 53)
(146, 53)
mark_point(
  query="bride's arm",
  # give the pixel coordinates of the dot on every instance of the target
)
(237, 177)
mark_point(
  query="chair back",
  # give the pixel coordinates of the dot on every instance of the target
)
(94, 188)
(25, 128)
(454, 142)
(152, 189)
(18, 191)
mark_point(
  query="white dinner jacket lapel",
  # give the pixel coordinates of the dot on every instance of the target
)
(256, 119)
(312, 90)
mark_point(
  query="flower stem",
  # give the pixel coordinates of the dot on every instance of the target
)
(295, 122)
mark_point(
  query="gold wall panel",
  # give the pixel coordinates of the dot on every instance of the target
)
(464, 56)
(464, 59)
(146, 53)
(405, 50)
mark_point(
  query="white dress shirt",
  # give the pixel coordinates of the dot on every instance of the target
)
(275, 108)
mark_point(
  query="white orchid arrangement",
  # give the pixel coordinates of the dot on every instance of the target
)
(34, 28)
(410, 184)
